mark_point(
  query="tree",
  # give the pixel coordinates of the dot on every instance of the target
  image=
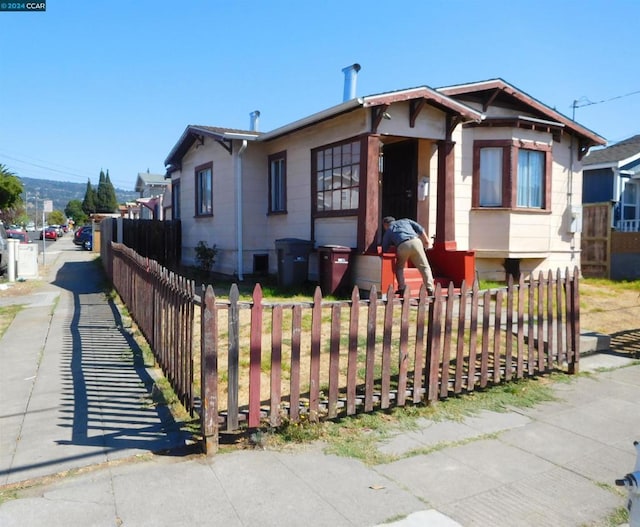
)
(56, 217)
(113, 200)
(89, 201)
(105, 195)
(11, 189)
(74, 210)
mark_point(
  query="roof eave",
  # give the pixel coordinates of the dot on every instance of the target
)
(188, 138)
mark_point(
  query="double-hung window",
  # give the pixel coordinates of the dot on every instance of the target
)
(204, 190)
(278, 183)
(337, 178)
(511, 175)
(530, 179)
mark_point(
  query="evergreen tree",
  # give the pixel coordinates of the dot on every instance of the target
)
(105, 195)
(113, 200)
(89, 201)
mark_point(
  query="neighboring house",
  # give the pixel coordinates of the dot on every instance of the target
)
(489, 171)
(612, 175)
(151, 188)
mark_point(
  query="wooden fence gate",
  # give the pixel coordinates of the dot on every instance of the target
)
(596, 240)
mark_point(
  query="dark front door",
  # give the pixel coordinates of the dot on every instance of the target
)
(399, 179)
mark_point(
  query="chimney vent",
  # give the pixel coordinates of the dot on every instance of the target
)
(255, 120)
(350, 77)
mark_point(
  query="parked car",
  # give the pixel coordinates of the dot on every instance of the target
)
(18, 235)
(4, 249)
(87, 244)
(82, 235)
(49, 233)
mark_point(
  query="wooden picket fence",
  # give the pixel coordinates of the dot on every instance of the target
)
(163, 306)
(259, 363)
(325, 359)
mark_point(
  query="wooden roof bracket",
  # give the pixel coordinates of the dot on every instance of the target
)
(452, 122)
(226, 144)
(583, 149)
(377, 113)
(415, 107)
(490, 100)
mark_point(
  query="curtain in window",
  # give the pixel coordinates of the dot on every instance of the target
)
(530, 178)
(491, 177)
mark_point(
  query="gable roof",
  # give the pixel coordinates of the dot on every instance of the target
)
(195, 133)
(618, 154)
(146, 179)
(421, 94)
(499, 92)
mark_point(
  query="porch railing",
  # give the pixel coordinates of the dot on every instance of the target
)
(628, 225)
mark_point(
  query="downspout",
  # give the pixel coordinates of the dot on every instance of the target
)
(239, 207)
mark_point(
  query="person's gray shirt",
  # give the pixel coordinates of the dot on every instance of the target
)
(400, 231)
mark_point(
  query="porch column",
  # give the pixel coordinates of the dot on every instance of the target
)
(445, 199)
(369, 211)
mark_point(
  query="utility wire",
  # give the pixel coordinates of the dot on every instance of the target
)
(587, 102)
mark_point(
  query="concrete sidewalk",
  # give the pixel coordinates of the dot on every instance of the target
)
(73, 397)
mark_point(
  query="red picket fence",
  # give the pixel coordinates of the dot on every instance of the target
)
(324, 359)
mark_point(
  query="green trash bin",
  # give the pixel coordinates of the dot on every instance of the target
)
(293, 261)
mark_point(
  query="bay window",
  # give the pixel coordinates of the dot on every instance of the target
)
(511, 175)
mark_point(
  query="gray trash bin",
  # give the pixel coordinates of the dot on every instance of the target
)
(293, 261)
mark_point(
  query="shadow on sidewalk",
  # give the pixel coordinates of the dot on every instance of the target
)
(106, 397)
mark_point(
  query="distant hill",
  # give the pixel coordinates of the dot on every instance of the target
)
(62, 192)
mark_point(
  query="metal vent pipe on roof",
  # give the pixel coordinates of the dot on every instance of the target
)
(350, 77)
(255, 120)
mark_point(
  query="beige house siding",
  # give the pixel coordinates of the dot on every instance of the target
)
(219, 229)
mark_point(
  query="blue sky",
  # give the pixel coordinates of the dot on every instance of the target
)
(91, 85)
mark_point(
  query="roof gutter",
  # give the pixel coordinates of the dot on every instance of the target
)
(313, 119)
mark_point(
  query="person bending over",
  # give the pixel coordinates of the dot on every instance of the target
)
(410, 240)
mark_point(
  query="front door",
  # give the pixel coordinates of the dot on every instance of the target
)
(399, 179)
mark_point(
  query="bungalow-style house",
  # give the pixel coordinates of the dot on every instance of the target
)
(487, 170)
(612, 175)
(151, 188)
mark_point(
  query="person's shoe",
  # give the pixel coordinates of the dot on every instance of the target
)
(430, 292)
(400, 291)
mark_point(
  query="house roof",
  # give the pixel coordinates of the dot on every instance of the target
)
(146, 179)
(195, 133)
(224, 136)
(618, 154)
(421, 93)
(499, 92)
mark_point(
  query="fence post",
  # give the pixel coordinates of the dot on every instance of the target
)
(255, 357)
(234, 359)
(574, 364)
(209, 372)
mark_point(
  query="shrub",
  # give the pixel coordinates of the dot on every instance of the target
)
(205, 255)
